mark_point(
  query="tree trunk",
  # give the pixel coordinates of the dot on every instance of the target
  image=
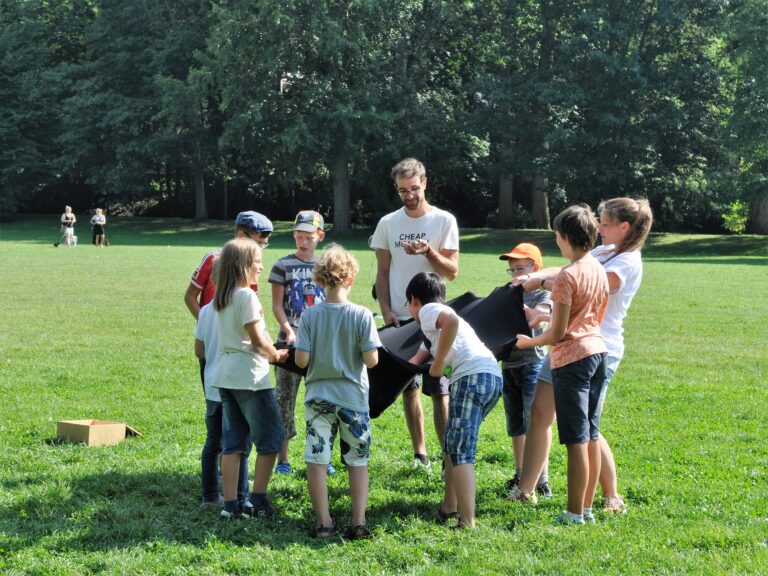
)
(341, 220)
(760, 216)
(506, 200)
(201, 211)
(540, 201)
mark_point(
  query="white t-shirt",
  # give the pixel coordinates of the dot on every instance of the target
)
(240, 366)
(208, 334)
(628, 266)
(468, 355)
(437, 226)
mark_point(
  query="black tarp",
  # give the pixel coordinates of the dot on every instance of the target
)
(497, 319)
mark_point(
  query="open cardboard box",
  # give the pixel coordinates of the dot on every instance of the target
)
(94, 432)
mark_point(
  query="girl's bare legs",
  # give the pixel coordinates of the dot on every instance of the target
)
(449, 503)
(593, 449)
(539, 436)
(608, 479)
(463, 477)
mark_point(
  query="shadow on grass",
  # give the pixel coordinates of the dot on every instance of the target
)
(117, 509)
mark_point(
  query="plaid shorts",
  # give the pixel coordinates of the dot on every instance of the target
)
(472, 398)
(324, 420)
(286, 388)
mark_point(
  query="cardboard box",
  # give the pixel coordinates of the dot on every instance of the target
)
(94, 432)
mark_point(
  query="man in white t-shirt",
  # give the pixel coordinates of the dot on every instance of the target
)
(416, 238)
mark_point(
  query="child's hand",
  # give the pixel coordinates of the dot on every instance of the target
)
(535, 317)
(290, 336)
(281, 356)
(522, 342)
(437, 369)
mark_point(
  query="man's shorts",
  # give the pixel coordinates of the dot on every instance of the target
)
(472, 397)
(251, 414)
(431, 385)
(286, 388)
(324, 420)
(578, 389)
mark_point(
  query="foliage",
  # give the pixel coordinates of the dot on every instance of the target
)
(209, 107)
(735, 219)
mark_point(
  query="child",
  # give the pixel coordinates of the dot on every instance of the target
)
(337, 340)
(67, 228)
(207, 348)
(579, 296)
(293, 291)
(624, 227)
(520, 369)
(98, 221)
(475, 385)
(250, 409)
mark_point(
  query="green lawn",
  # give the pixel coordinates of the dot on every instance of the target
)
(104, 333)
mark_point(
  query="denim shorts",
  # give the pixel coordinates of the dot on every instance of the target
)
(578, 389)
(286, 388)
(472, 397)
(324, 420)
(545, 374)
(517, 394)
(430, 385)
(251, 414)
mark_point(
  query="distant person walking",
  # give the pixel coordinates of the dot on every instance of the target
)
(67, 228)
(416, 238)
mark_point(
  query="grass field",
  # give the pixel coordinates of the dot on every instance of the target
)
(104, 333)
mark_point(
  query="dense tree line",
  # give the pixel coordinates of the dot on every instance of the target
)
(517, 107)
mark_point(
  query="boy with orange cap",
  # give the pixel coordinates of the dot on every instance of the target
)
(520, 368)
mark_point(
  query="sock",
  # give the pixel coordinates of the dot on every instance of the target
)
(232, 506)
(258, 499)
(587, 512)
(543, 478)
(573, 516)
(422, 458)
(519, 472)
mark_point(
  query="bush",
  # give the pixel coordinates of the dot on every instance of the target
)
(735, 219)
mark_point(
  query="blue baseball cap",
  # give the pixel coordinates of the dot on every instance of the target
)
(254, 222)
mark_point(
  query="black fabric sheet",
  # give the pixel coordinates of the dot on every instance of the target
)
(497, 319)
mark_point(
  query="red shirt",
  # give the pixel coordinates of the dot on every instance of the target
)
(202, 279)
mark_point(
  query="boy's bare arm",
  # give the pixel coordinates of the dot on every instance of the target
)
(301, 358)
(371, 358)
(262, 345)
(448, 323)
(278, 293)
(553, 334)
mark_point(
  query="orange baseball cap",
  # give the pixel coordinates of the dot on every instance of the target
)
(525, 250)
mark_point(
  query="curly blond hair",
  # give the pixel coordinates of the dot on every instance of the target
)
(335, 266)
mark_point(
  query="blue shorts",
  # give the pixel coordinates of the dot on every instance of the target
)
(472, 398)
(324, 420)
(517, 393)
(578, 389)
(251, 415)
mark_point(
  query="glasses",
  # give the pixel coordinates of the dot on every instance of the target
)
(261, 238)
(413, 191)
(518, 269)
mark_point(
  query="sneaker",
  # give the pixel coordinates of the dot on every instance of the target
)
(544, 490)
(614, 505)
(565, 520)
(421, 461)
(227, 516)
(283, 468)
(589, 518)
(512, 482)
(216, 504)
(331, 470)
(55, 244)
(517, 495)
(264, 511)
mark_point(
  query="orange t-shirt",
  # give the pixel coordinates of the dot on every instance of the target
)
(583, 285)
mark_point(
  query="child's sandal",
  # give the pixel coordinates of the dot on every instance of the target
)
(325, 531)
(358, 532)
(445, 517)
